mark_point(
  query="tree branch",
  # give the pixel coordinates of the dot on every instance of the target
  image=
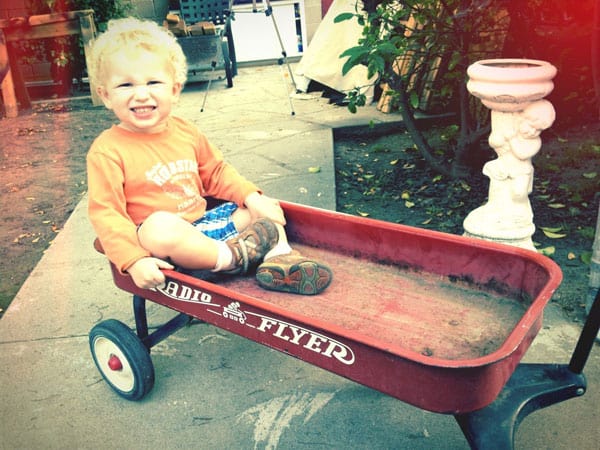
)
(408, 118)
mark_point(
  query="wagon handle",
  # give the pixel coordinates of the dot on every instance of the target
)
(590, 328)
(586, 338)
(531, 387)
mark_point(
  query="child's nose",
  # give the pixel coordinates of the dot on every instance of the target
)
(141, 91)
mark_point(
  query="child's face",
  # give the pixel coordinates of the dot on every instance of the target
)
(140, 90)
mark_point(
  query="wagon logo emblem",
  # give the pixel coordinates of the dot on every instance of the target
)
(232, 311)
(310, 340)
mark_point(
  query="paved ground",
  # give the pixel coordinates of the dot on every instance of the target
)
(215, 390)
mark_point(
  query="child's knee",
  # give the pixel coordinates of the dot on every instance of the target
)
(158, 229)
(241, 218)
(160, 221)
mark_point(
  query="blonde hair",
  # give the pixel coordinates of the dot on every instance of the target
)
(131, 35)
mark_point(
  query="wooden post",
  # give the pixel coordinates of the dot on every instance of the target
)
(7, 86)
(88, 34)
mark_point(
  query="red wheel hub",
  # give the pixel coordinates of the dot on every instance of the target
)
(115, 363)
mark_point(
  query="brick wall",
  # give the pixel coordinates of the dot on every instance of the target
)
(151, 9)
(12, 8)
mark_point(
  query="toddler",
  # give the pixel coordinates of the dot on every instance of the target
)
(149, 177)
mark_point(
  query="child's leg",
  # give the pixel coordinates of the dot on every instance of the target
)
(168, 236)
(282, 247)
(242, 218)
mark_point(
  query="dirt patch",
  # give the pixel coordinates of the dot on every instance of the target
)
(42, 156)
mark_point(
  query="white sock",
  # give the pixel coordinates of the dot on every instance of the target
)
(224, 257)
(281, 248)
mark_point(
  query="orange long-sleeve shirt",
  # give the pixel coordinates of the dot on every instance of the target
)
(131, 175)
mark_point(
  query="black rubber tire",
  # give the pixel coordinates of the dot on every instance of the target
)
(113, 339)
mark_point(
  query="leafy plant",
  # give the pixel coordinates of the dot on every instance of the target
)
(104, 10)
(420, 50)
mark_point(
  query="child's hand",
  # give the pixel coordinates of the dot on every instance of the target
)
(146, 273)
(264, 206)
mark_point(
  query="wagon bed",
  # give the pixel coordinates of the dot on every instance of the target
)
(436, 320)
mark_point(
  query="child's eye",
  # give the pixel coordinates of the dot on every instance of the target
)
(154, 82)
(124, 85)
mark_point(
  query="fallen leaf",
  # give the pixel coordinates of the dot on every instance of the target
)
(409, 204)
(426, 221)
(405, 195)
(571, 256)
(586, 257)
(552, 235)
(556, 205)
(552, 229)
(547, 251)
(590, 175)
(315, 169)
(363, 214)
(394, 162)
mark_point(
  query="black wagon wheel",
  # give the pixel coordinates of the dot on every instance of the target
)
(122, 359)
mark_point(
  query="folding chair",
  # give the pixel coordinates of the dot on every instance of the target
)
(210, 51)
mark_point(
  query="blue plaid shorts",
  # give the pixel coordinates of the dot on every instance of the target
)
(217, 222)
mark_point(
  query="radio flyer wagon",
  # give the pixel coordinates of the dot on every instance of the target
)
(436, 320)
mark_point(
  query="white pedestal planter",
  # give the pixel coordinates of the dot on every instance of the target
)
(514, 90)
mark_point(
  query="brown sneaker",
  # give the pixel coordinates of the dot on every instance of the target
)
(252, 244)
(294, 273)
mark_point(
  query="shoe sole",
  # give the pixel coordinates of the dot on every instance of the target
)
(305, 278)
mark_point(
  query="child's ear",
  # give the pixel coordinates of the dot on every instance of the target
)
(177, 88)
(104, 96)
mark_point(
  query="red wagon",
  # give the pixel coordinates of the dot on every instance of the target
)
(435, 320)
